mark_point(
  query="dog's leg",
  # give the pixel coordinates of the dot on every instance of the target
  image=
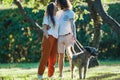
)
(80, 72)
(85, 70)
(72, 69)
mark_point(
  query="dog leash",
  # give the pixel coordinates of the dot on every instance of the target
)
(79, 45)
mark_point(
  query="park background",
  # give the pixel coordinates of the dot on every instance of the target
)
(20, 45)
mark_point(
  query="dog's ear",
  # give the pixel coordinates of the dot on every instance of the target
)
(92, 50)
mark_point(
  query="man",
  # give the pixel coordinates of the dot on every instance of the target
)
(66, 31)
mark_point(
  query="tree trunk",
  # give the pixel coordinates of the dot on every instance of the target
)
(106, 18)
(97, 24)
(34, 25)
(96, 10)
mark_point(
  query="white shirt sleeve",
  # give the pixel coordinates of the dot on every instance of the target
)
(45, 20)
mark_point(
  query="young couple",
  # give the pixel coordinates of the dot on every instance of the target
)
(59, 34)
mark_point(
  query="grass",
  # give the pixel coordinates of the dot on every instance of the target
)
(108, 70)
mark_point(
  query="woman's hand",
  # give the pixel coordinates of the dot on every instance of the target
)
(47, 36)
(45, 31)
(73, 38)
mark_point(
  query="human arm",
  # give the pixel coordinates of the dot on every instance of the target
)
(72, 23)
(73, 27)
(45, 26)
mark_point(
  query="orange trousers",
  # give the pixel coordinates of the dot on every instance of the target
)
(49, 55)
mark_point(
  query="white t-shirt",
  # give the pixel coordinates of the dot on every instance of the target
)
(53, 29)
(64, 21)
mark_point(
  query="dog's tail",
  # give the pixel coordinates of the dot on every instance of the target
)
(70, 52)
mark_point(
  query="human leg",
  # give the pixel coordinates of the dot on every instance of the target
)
(44, 57)
(61, 63)
(69, 43)
(61, 50)
(52, 57)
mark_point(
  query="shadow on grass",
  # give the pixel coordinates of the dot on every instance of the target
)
(102, 76)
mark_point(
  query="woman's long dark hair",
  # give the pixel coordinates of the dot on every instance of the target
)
(64, 4)
(50, 12)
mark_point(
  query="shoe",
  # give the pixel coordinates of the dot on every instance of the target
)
(61, 77)
(52, 77)
(40, 76)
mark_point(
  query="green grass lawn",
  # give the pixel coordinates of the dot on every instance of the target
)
(108, 70)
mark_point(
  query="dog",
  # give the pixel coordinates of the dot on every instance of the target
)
(81, 60)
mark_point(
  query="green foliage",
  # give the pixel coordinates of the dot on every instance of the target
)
(110, 41)
(18, 43)
(7, 2)
(114, 11)
(84, 24)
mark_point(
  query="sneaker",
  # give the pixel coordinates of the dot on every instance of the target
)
(61, 77)
(40, 76)
(52, 77)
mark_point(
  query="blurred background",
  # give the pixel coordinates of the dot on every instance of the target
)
(20, 43)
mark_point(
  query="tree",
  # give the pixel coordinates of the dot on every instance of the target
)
(34, 25)
(97, 12)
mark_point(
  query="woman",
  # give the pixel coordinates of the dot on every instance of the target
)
(49, 42)
(66, 31)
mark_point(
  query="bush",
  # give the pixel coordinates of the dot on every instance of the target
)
(110, 41)
(18, 43)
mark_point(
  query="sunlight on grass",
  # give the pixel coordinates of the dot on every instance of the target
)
(104, 72)
(108, 70)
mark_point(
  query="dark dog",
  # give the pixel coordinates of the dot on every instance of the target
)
(81, 60)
